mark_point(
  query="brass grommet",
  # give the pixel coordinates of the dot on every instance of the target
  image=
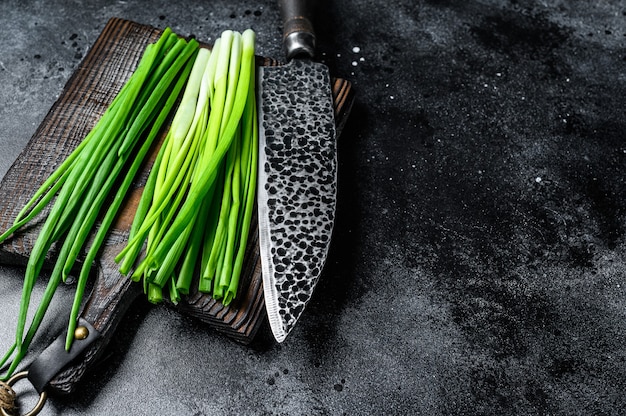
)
(81, 333)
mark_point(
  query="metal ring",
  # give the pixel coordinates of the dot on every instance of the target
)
(42, 397)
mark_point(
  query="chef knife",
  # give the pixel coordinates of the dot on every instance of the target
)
(297, 171)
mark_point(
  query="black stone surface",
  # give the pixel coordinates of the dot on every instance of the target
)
(478, 262)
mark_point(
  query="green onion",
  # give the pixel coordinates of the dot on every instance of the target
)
(82, 184)
(193, 217)
(194, 222)
(210, 163)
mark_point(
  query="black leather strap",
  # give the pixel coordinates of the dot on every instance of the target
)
(55, 357)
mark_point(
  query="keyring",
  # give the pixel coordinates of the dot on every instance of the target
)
(42, 397)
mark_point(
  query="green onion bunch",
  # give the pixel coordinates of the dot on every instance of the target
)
(194, 215)
(195, 208)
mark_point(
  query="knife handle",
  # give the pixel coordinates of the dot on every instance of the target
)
(298, 33)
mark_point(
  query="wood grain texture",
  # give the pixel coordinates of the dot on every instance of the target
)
(84, 99)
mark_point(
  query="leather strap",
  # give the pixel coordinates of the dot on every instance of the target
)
(55, 357)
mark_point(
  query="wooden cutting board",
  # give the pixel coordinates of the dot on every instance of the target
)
(107, 66)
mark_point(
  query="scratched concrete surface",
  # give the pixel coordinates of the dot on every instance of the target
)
(478, 262)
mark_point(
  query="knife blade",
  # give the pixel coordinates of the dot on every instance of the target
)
(297, 190)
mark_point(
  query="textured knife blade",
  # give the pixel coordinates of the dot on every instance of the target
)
(297, 189)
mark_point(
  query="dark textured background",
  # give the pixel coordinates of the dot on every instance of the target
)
(478, 262)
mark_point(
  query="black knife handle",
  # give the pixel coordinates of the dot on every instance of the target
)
(298, 33)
